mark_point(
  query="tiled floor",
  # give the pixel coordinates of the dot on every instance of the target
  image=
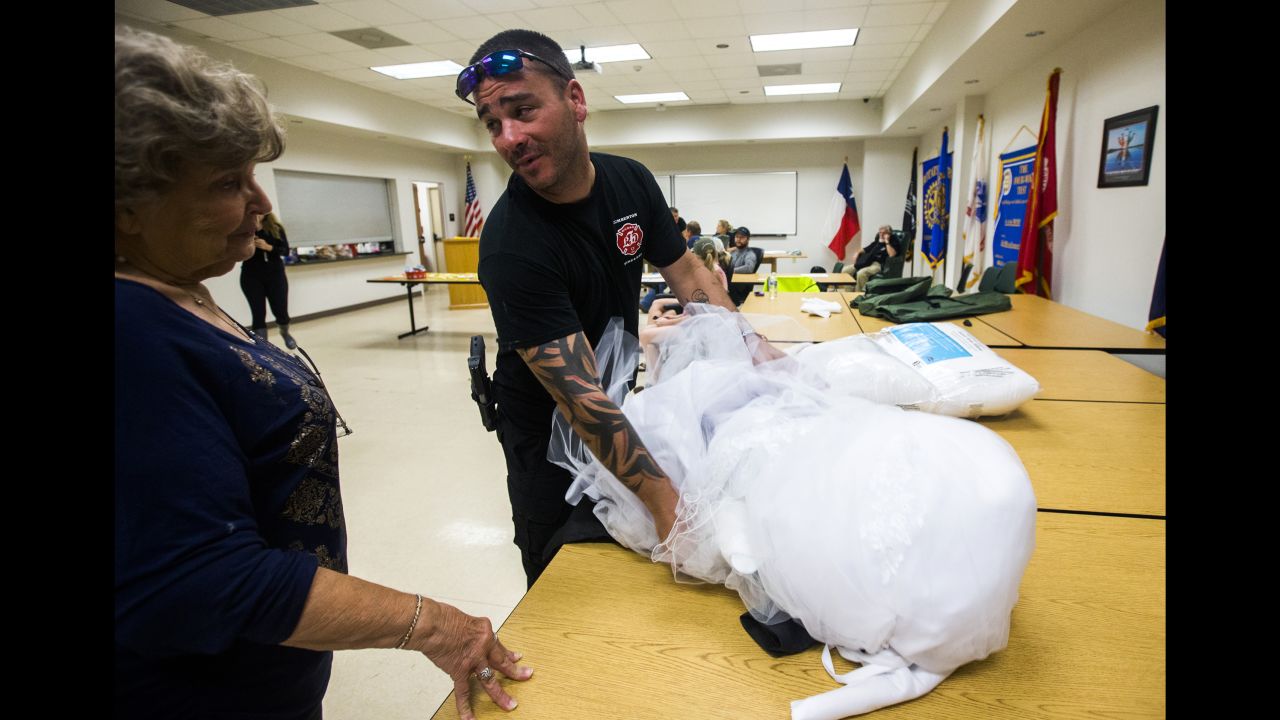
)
(423, 486)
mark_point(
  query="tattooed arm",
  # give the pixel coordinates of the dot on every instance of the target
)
(691, 281)
(567, 369)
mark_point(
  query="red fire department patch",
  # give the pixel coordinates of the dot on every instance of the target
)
(630, 236)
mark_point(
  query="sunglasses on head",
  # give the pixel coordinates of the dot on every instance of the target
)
(495, 64)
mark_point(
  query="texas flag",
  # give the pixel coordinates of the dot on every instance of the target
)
(842, 216)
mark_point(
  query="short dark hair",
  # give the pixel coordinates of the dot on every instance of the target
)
(694, 227)
(533, 42)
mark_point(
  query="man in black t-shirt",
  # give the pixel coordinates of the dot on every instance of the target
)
(560, 254)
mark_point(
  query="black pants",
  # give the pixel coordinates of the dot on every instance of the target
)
(264, 282)
(543, 520)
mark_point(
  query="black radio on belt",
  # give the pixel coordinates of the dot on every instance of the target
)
(481, 386)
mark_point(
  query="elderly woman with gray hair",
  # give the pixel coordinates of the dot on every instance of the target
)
(231, 588)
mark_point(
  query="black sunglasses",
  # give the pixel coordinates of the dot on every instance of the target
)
(495, 64)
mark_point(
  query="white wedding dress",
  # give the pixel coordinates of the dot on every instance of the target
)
(897, 537)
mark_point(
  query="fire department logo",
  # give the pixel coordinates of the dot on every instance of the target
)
(630, 236)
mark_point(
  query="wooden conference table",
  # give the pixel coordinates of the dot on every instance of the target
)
(1038, 322)
(611, 635)
(796, 326)
(428, 279)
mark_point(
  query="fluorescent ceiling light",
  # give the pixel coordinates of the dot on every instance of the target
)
(804, 40)
(651, 97)
(409, 71)
(608, 53)
(813, 89)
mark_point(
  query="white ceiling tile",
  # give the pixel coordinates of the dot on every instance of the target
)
(839, 67)
(752, 99)
(714, 61)
(753, 7)
(598, 15)
(471, 28)
(561, 3)
(879, 51)
(547, 20)
(356, 75)
(375, 12)
(828, 4)
(665, 49)
(898, 14)
(776, 22)
(707, 9)
(875, 63)
(936, 12)
(777, 57)
(160, 11)
(511, 21)
(738, 45)
(702, 85)
(435, 9)
(825, 54)
(867, 77)
(835, 18)
(671, 30)
(598, 35)
(911, 49)
(718, 27)
(458, 51)
(324, 42)
(633, 11)
(496, 6)
(900, 62)
(921, 33)
(708, 97)
(364, 58)
(220, 29)
(887, 34)
(270, 23)
(409, 54)
(735, 73)
(420, 33)
(320, 17)
(319, 62)
(273, 47)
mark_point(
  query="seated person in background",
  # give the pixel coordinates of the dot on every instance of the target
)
(744, 260)
(664, 313)
(866, 262)
(692, 233)
(679, 221)
(724, 230)
(709, 253)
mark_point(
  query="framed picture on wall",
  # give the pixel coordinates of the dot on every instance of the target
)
(1127, 145)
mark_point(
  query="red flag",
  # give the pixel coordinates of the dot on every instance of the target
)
(1035, 258)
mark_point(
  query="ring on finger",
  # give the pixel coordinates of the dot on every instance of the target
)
(485, 674)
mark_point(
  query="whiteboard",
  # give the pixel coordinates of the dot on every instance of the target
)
(765, 202)
(322, 209)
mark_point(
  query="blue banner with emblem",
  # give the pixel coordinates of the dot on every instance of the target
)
(935, 214)
(1016, 170)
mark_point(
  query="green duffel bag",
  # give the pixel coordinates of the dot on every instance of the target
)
(941, 307)
(892, 291)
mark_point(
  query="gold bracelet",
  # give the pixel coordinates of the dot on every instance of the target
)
(416, 612)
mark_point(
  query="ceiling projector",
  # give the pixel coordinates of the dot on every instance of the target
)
(582, 63)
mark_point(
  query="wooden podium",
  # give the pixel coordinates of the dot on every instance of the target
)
(462, 255)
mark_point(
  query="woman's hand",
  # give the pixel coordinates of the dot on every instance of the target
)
(462, 646)
(261, 244)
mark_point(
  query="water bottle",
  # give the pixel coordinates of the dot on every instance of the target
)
(772, 285)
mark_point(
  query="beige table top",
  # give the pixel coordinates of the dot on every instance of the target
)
(1037, 322)
(805, 327)
(1090, 456)
(986, 334)
(825, 278)
(432, 278)
(1086, 375)
(610, 635)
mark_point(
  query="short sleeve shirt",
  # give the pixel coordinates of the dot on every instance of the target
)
(552, 270)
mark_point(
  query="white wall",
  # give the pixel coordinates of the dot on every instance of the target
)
(1107, 242)
(817, 165)
(329, 286)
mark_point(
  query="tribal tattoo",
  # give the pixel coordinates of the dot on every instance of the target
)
(567, 369)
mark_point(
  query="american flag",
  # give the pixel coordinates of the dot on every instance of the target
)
(475, 220)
